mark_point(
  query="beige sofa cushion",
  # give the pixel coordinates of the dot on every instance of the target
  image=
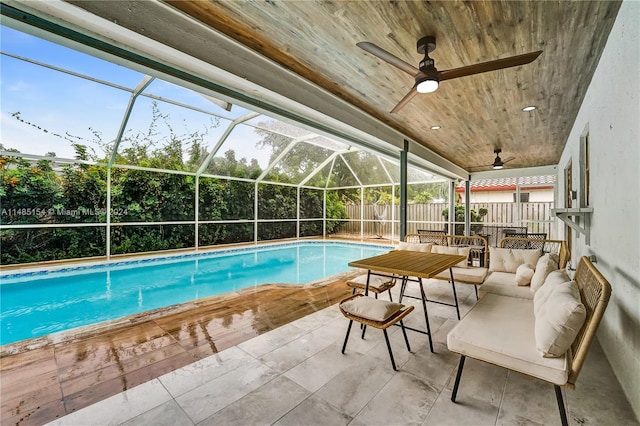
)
(508, 260)
(524, 274)
(423, 247)
(473, 275)
(503, 283)
(377, 283)
(462, 251)
(546, 264)
(500, 330)
(370, 308)
(554, 278)
(559, 316)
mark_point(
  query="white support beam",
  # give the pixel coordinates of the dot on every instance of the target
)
(282, 154)
(144, 83)
(355, 175)
(222, 139)
(504, 173)
(321, 166)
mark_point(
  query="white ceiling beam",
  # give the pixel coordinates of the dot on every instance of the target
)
(505, 173)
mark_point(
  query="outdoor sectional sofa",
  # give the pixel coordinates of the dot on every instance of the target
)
(504, 277)
(546, 336)
(494, 269)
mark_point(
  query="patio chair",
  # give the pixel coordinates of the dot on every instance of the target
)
(377, 284)
(435, 237)
(533, 240)
(536, 239)
(376, 313)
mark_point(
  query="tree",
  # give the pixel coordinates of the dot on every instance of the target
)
(423, 197)
(37, 194)
(459, 217)
(77, 193)
(427, 192)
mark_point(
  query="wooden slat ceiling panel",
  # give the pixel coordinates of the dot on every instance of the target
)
(317, 40)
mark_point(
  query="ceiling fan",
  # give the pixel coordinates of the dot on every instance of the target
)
(427, 77)
(498, 163)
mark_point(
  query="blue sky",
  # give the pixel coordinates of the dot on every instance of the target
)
(62, 103)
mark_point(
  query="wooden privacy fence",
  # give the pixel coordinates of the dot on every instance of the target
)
(376, 220)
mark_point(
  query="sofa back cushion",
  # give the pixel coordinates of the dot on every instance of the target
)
(461, 251)
(423, 247)
(508, 260)
(559, 316)
(545, 265)
(553, 279)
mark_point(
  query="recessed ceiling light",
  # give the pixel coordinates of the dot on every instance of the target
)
(435, 127)
(529, 108)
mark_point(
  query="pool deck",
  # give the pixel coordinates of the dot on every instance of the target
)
(55, 377)
(294, 374)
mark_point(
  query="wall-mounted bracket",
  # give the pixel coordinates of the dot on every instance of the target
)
(577, 218)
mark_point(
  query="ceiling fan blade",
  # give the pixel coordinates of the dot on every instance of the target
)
(407, 98)
(388, 57)
(492, 164)
(498, 64)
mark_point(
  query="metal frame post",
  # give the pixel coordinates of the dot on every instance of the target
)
(403, 190)
(467, 208)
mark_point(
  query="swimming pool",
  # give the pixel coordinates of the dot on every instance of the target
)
(39, 303)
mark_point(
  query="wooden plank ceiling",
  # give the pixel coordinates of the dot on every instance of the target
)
(317, 40)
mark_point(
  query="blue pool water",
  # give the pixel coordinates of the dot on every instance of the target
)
(33, 305)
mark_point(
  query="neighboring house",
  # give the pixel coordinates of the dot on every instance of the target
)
(532, 189)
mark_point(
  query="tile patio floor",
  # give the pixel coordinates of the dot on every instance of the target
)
(296, 375)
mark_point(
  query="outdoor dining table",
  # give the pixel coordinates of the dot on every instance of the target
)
(408, 264)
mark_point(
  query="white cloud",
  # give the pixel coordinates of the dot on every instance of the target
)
(20, 86)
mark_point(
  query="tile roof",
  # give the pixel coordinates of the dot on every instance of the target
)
(508, 183)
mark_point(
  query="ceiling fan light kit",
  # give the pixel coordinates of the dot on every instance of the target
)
(427, 79)
(427, 85)
(498, 163)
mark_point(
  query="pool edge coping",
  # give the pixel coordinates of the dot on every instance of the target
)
(82, 265)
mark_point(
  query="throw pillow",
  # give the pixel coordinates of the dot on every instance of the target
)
(508, 260)
(462, 251)
(426, 247)
(545, 265)
(370, 308)
(524, 273)
(553, 279)
(559, 320)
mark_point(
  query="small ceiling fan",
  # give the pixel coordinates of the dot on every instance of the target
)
(498, 163)
(427, 77)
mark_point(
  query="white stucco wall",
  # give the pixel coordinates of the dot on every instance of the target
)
(535, 195)
(611, 113)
